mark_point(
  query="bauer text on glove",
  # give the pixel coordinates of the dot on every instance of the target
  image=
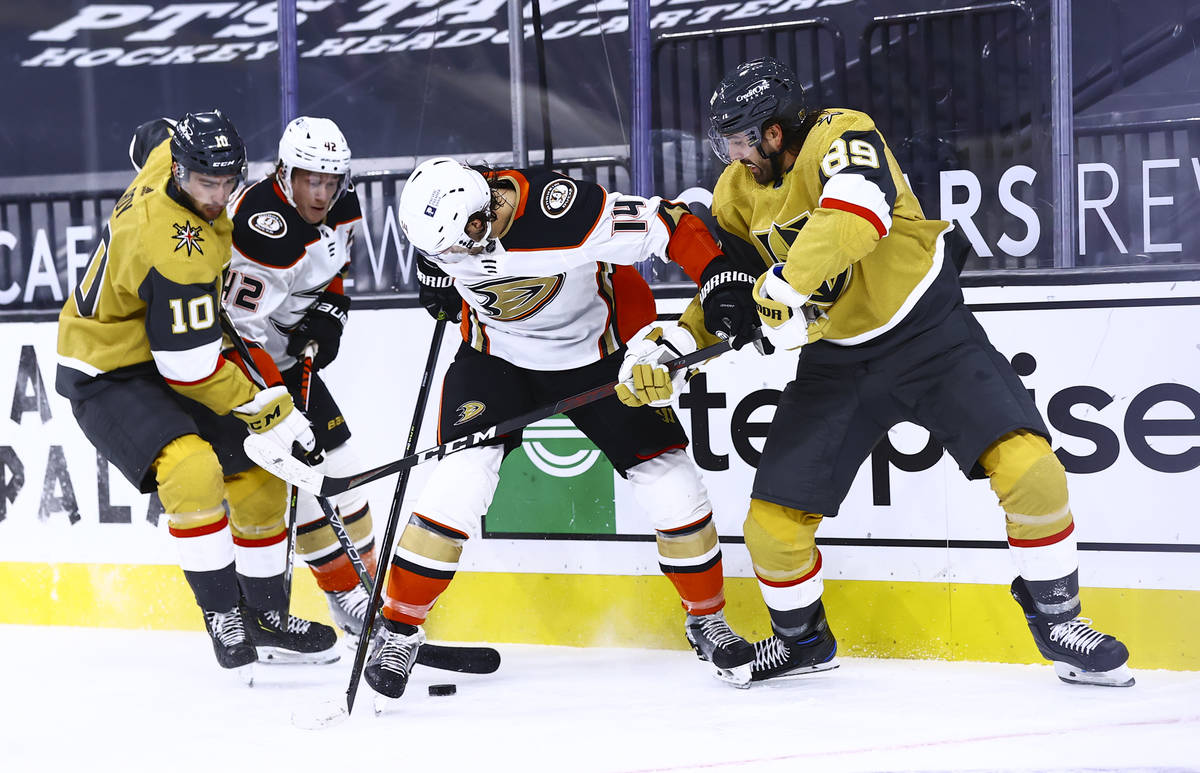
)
(786, 317)
(322, 324)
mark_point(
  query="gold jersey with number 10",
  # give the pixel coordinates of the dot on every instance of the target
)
(147, 300)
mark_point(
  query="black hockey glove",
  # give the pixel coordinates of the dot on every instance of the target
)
(726, 295)
(322, 324)
(437, 293)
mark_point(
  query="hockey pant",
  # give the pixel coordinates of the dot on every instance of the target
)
(316, 542)
(460, 490)
(229, 531)
(1027, 478)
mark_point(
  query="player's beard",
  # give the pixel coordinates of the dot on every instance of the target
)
(766, 170)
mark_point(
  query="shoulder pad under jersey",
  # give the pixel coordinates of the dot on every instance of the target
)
(268, 230)
(345, 210)
(555, 211)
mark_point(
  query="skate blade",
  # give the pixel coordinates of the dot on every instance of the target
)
(382, 704)
(243, 676)
(1120, 676)
(738, 676)
(320, 715)
(277, 656)
(828, 665)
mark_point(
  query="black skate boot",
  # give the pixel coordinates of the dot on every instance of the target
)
(299, 641)
(348, 608)
(229, 640)
(392, 661)
(806, 648)
(1081, 654)
(714, 641)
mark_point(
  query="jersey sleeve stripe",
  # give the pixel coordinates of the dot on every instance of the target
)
(189, 366)
(857, 195)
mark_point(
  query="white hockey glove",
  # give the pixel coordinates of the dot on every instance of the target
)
(643, 380)
(273, 415)
(788, 321)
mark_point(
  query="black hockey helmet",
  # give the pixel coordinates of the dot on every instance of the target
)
(756, 94)
(208, 143)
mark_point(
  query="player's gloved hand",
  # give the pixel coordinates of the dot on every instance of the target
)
(437, 293)
(725, 296)
(787, 319)
(322, 324)
(273, 415)
(643, 378)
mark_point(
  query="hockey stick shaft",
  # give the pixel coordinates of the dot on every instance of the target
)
(393, 522)
(268, 456)
(306, 369)
(469, 660)
(244, 352)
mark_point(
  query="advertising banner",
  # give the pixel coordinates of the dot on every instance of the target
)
(1106, 365)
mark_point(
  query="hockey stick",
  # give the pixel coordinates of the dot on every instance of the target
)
(244, 352)
(393, 522)
(470, 660)
(267, 454)
(463, 659)
(310, 351)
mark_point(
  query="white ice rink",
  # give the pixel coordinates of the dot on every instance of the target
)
(101, 700)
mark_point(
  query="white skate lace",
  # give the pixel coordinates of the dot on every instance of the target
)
(716, 630)
(227, 627)
(770, 653)
(1077, 634)
(354, 601)
(399, 652)
(294, 624)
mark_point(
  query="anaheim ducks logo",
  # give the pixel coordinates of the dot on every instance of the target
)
(509, 300)
(468, 411)
(269, 224)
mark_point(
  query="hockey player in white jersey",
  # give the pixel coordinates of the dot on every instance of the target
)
(539, 268)
(292, 233)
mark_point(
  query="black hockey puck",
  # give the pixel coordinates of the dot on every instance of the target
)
(442, 689)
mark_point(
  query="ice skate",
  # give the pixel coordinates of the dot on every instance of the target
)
(299, 641)
(715, 642)
(1081, 654)
(348, 608)
(230, 643)
(391, 663)
(775, 657)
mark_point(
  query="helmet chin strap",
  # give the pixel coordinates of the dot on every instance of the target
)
(776, 159)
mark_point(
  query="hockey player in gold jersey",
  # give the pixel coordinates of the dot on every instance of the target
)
(140, 359)
(829, 250)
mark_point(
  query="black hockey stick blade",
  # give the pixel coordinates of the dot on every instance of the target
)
(270, 457)
(464, 660)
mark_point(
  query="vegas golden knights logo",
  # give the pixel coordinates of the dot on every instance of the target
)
(778, 239)
(509, 300)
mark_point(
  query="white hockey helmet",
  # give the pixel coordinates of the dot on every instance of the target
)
(315, 145)
(439, 199)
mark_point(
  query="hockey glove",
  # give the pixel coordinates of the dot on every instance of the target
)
(643, 380)
(322, 324)
(273, 415)
(725, 296)
(787, 319)
(437, 293)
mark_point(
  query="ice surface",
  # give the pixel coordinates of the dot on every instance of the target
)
(107, 700)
